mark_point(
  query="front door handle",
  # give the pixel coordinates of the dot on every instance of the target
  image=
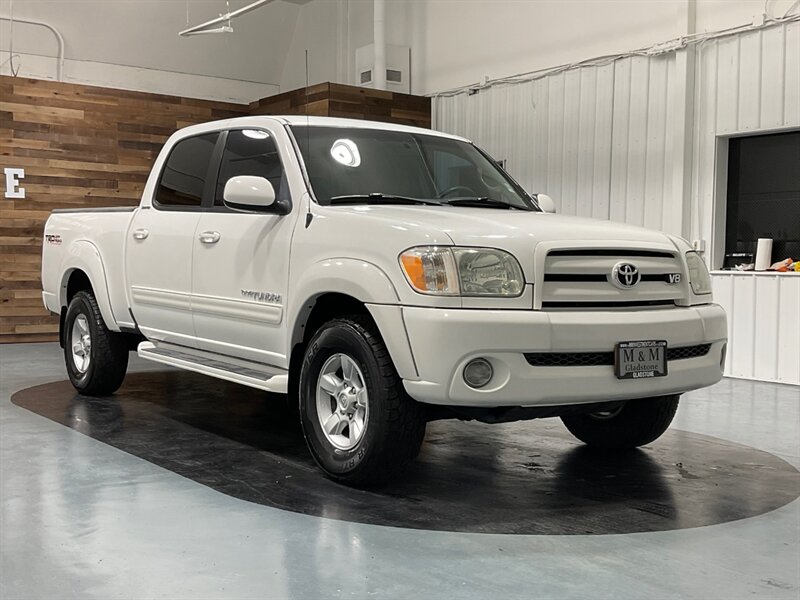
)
(140, 234)
(209, 237)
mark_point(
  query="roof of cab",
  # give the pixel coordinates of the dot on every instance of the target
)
(302, 121)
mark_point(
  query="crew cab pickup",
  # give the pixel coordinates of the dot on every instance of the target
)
(382, 276)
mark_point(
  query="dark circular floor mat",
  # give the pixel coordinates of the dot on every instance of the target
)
(519, 478)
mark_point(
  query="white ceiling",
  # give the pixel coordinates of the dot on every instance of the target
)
(144, 33)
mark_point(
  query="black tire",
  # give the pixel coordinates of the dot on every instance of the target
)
(108, 354)
(637, 423)
(395, 423)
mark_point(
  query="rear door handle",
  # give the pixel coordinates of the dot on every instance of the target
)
(209, 237)
(140, 234)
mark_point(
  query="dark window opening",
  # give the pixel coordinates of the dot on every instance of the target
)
(184, 176)
(763, 196)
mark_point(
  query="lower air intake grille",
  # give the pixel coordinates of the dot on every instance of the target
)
(609, 304)
(688, 352)
(570, 359)
(598, 359)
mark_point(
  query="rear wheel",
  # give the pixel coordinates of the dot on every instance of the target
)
(360, 425)
(96, 358)
(635, 423)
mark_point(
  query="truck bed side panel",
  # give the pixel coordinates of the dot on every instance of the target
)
(93, 242)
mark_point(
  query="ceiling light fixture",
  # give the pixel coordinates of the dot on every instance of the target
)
(208, 26)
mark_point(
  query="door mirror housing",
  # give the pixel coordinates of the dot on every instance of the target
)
(546, 203)
(249, 194)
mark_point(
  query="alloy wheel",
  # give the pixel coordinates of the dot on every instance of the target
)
(81, 343)
(342, 401)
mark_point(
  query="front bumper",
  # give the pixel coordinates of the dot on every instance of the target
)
(443, 341)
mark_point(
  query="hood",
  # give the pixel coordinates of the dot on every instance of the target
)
(518, 232)
(486, 227)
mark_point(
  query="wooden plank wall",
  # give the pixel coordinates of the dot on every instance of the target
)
(85, 146)
(346, 101)
(80, 146)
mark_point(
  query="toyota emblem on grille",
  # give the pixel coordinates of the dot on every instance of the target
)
(625, 275)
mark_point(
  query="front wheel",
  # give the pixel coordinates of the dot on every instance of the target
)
(96, 358)
(360, 425)
(635, 423)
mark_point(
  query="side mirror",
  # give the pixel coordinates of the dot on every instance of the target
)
(249, 193)
(546, 203)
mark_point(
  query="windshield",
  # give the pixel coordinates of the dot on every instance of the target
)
(394, 166)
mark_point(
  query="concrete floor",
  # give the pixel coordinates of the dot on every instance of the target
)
(83, 519)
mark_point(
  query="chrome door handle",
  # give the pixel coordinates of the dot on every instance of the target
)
(209, 237)
(140, 234)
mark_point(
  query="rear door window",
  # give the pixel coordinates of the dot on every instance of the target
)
(185, 173)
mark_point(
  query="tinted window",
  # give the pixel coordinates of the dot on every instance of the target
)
(356, 161)
(250, 152)
(362, 161)
(451, 171)
(184, 175)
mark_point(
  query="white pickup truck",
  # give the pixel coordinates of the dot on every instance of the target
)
(384, 276)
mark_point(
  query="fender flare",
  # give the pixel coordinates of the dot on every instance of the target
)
(84, 256)
(357, 278)
(365, 282)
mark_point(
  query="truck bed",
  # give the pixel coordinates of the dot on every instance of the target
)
(92, 240)
(105, 209)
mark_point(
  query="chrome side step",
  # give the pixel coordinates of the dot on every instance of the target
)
(263, 377)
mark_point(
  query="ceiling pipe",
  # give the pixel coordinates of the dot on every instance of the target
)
(379, 43)
(54, 31)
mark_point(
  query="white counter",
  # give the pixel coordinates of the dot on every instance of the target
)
(763, 323)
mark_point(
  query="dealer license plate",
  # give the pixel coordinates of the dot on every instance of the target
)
(640, 360)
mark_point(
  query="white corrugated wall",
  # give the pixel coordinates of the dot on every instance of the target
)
(601, 140)
(609, 142)
(595, 139)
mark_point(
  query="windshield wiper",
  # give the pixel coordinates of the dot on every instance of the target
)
(378, 198)
(479, 201)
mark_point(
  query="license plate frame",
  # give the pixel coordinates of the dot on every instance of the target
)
(652, 363)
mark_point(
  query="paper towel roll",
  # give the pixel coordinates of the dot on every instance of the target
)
(763, 254)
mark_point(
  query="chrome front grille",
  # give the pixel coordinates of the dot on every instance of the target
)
(580, 278)
(621, 252)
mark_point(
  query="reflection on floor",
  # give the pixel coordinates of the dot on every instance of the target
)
(192, 488)
(530, 477)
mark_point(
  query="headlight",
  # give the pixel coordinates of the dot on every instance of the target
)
(699, 278)
(446, 271)
(488, 272)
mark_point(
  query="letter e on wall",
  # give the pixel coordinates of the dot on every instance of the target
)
(12, 182)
